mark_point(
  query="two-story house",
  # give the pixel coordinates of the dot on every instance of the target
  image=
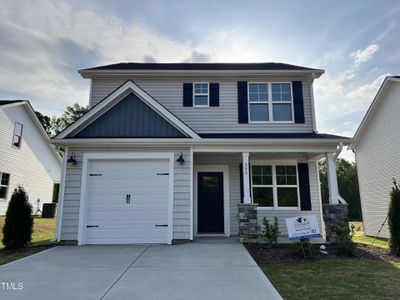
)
(26, 156)
(167, 152)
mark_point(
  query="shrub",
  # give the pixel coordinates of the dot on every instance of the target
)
(18, 225)
(394, 219)
(270, 232)
(302, 248)
(345, 245)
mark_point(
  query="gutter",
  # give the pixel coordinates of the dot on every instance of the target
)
(338, 151)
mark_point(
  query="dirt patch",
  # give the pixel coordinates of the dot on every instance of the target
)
(7, 256)
(264, 254)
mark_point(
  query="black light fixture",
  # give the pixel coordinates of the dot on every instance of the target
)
(71, 159)
(180, 159)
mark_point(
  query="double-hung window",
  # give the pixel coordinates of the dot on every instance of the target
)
(4, 183)
(275, 185)
(258, 102)
(201, 94)
(270, 102)
(17, 138)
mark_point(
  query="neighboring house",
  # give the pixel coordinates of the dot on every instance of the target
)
(168, 151)
(376, 144)
(26, 156)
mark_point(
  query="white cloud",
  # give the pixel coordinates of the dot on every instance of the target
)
(45, 42)
(363, 55)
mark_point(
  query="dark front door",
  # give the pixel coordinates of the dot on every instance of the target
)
(210, 206)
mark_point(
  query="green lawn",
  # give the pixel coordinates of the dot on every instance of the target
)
(360, 238)
(43, 233)
(336, 279)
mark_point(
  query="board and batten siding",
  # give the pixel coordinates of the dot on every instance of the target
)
(181, 202)
(378, 161)
(34, 165)
(224, 118)
(233, 161)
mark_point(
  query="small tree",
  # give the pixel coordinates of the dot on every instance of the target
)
(394, 219)
(270, 232)
(17, 230)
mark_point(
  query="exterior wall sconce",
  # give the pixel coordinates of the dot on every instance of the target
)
(72, 160)
(180, 159)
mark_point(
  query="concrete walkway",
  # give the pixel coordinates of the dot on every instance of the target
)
(200, 270)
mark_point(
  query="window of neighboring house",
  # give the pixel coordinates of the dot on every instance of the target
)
(4, 183)
(270, 102)
(275, 185)
(201, 94)
(17, 138)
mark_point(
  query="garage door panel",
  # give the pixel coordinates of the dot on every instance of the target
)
(134, 222)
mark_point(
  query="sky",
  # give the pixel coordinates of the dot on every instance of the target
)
(43, 44)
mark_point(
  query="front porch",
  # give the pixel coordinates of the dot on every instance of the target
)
(281, 184)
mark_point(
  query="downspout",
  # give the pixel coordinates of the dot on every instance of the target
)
(335, 156)
(338, 151)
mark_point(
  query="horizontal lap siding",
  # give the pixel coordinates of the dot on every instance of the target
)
(282, 214)
(169, 92)
(181, 210)
(378, 161)
(233, 161)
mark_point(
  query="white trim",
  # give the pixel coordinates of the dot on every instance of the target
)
(60, 205)
(314, 120)
(205, 141)
(123, 155)
(270, 102)
(195, 94)
(275, 185)
(213, 168)
(320, 200)
(191, 193)
(117, 96)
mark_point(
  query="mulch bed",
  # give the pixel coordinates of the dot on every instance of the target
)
(27, 250)
(281, 253)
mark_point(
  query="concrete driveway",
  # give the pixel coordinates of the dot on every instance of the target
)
(200, 270)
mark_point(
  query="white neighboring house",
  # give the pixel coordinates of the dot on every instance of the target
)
(26, 157)
(376, 144)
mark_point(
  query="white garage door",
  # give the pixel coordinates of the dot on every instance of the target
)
(127, 201)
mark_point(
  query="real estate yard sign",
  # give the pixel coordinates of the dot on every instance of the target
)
(303, 227)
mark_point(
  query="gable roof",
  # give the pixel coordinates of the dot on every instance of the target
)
(373, 107)
(31, 112)
(115, 97)
(159, 68)
(6, 102)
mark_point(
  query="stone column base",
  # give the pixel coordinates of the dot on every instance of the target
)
(248, 225)
(334, 215)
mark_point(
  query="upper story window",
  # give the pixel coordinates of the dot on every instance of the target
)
(275, 185)
(17, 138)
(4, 183)
(270, 102)
(201, 94)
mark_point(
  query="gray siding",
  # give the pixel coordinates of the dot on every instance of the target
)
(181, 210)
(378, 161)
(169, 92)
(233, 161)
(130, 117)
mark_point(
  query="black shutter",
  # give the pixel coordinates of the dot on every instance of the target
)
(242, 102)
(298, 101)
(214, 94)
(188, 94)
(304, 184)
(241, 181)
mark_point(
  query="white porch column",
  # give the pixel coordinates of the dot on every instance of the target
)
(332, 179)
(246, 178)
